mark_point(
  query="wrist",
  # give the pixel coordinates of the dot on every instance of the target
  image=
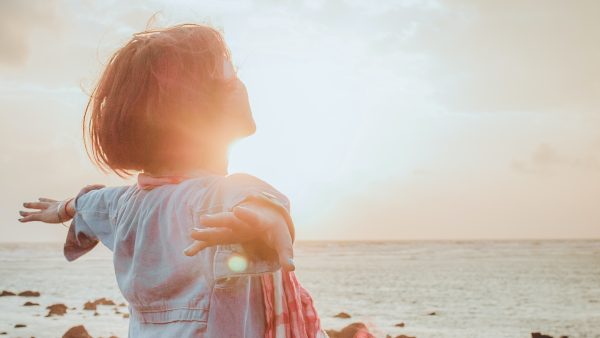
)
(70, 208)
(65, 210)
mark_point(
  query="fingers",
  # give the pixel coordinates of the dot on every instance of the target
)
(224, 220)
(27, 213)
(30, 218)
(247, 215)
(215, 236)
(205, 238)
(195, 247)
(282, 243)
(44, 199)
(278, 235)
(37, 205)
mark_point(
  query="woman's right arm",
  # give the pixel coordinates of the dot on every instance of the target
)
(53, 211)
(91, 212)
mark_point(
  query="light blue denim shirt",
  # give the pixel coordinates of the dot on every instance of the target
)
(170, 294)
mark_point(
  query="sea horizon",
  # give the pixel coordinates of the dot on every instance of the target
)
(447, 288)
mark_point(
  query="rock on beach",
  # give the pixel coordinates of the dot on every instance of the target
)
(104, 301)
(29, 293)
(89, 306)
(77, 332)
(541, 335)
(354, 330)
(342, 315)
(56, 310)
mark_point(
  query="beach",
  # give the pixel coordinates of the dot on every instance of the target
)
(434, 288)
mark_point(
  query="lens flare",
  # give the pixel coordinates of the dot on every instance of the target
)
(237, 263)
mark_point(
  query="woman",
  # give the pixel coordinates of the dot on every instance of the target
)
(168, 105)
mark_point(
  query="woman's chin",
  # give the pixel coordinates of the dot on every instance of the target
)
(252, 128)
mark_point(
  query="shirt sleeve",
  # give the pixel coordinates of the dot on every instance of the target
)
(236, 189)
(94, 221)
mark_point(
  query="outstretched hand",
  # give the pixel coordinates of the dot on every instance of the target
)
(47, 209)
(246, 224)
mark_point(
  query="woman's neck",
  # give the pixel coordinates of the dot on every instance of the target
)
(213, 159)
(217, 163)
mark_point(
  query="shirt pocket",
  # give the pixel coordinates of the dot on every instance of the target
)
(231, 262)
(229, 283)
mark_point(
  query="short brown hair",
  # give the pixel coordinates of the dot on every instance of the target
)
(160, 81)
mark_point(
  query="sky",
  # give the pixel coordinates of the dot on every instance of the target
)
(387, 120)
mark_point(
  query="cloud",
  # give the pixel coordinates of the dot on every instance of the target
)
(491, 56)
(18, 21)
(546, 158)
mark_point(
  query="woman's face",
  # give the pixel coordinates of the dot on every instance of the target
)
(234, 120)
(238, 118)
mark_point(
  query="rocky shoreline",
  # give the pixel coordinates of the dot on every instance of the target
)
(352, 330)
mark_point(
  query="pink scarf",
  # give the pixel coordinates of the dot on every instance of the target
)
(289, 309)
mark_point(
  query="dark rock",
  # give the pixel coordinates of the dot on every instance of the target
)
(77, 332)
(405, 336)
(3, 333)
(332, 333)
(100, 301)
(29, 293)
(122, 304)
(432, 313)
(354, 330)
(539, 335)
(126, 315)
(31, 304)
(104, 301)
(20, 325)
(401, 324)
(89, 306)
(96, 314)
(7, 293)
(56, 310)
(342, 315)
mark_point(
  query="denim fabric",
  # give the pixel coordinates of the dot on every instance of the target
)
(170, 294)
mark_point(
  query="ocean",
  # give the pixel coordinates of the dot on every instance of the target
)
(436, 288)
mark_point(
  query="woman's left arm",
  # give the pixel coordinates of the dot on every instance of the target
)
(260, 223)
